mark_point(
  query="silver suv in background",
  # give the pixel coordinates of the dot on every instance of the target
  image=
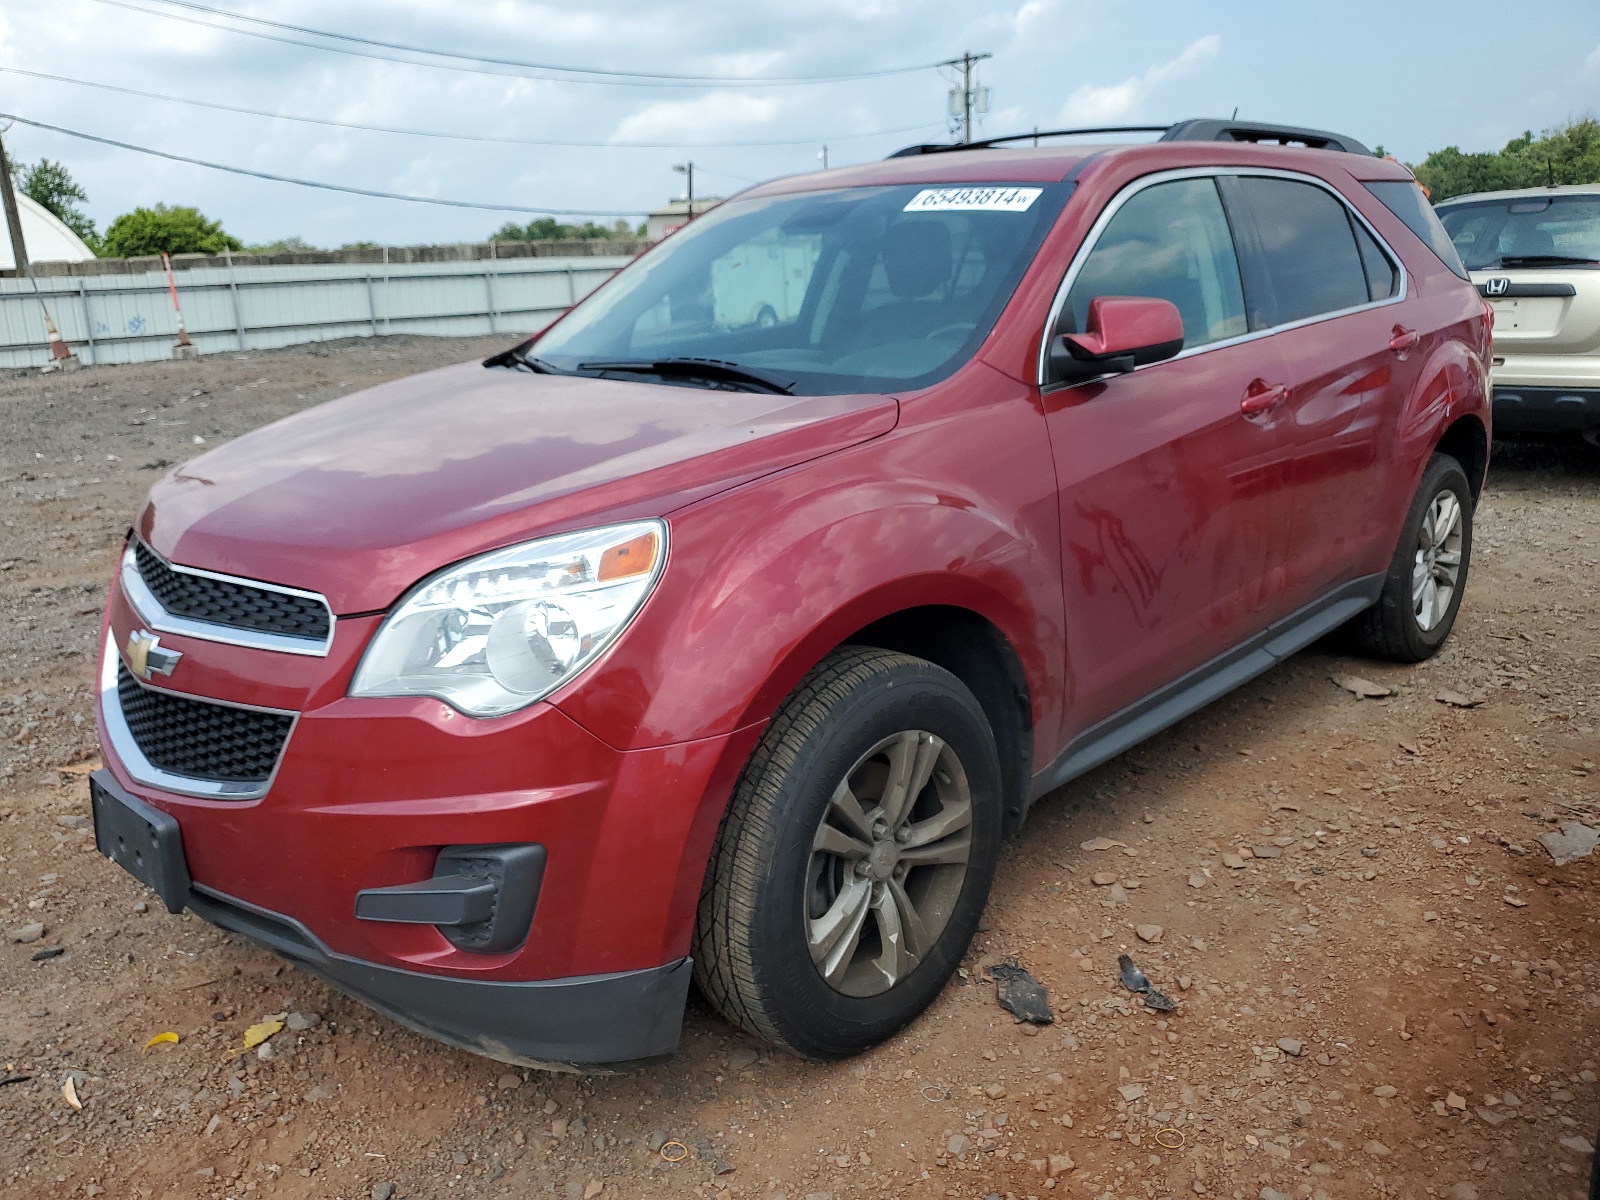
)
(1534, 255)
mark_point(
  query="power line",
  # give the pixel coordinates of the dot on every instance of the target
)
(587, 74)
(327, 187)
(433, 133)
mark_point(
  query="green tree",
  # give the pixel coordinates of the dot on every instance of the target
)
(548, 229)
(288, 245)
(52, 186)
(1569, 153)
(165, 230)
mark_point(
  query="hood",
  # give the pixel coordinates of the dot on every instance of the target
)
(361, 497)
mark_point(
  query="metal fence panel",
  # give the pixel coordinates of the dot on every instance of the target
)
(129, 318)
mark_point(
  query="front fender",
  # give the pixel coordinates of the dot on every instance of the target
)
(765, 579)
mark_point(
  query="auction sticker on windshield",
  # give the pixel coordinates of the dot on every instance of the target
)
(974, 199)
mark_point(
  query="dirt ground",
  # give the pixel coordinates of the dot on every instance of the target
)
(1385, 987)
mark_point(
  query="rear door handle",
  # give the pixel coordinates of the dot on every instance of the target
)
(1262, 397)
(1403, 339)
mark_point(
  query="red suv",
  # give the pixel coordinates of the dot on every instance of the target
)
(726, 628)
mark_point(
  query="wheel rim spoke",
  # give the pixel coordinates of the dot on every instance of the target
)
(835, 935)
(847, 809)
(911, 764)
(948, 852)
(835, 841)
(893, 962)
(917, 941)
(948, 820)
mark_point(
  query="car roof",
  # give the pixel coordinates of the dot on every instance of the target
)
(1053, 164)
(1533, 193)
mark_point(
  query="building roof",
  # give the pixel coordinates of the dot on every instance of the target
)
(47, 238)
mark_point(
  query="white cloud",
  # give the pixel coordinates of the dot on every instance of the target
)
(1095, 104)
(1593, 61)
(703, 118)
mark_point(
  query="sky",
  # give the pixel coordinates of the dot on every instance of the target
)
(1412, 75)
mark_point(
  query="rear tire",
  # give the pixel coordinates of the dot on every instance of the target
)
(1428, 574)
(838, 901)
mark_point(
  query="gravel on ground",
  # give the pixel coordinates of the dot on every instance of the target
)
(1381, 983)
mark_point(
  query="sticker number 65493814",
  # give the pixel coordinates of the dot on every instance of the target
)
(974, 199)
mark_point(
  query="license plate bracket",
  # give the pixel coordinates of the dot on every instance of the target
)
(141, 839)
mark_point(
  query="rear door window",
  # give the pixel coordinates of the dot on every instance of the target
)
(1170, 241)
(1309, 261)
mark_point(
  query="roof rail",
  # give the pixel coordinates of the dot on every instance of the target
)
(1200, 130)
(940, 148)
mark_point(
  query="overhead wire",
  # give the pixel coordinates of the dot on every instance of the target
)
(444, 134)
(483, 63)
(311, 183)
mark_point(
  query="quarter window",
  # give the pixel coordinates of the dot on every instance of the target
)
(1309, 256)
(1169, 241)
(1382, 278)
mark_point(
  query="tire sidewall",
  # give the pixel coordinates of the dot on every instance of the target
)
(816, 1019)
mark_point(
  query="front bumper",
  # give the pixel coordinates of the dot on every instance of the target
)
(1546, 410)
(608, 1020)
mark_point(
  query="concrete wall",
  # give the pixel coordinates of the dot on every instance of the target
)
(119, 310)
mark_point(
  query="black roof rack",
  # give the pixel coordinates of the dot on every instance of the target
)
(1199, 130)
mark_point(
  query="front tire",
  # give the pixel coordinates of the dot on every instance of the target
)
(1428, 574)
(855, 858)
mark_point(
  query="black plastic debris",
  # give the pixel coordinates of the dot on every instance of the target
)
(1136, 981)
(1020, 994)
(1158, 1002)
(1132, 977)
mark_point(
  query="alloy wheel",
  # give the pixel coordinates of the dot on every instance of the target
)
(888, 861)
(1437, 568)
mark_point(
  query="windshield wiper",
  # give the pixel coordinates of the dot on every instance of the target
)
(514, 358)
(713, 370)
(1544, 260)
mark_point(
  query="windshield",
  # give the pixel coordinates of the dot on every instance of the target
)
(1550, 231)
(855, 290)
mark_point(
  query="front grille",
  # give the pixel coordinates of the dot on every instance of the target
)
(221, 602)
(198, 739)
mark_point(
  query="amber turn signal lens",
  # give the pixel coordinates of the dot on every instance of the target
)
(635, 557)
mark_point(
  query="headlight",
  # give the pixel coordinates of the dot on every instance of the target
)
(495, 633)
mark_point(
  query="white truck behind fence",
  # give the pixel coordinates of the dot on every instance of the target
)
(120, 318)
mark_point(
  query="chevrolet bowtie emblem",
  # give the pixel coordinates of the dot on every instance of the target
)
(147, 657)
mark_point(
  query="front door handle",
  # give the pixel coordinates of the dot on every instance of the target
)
(1261, 397)
(1403, 339)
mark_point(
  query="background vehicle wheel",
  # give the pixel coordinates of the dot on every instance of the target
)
(855, 859)
(1428, 574)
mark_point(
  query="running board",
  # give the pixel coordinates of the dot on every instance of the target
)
(1210, 681)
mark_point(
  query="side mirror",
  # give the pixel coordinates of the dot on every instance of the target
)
(1123, 332)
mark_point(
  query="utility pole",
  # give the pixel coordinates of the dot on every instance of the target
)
(968, 98)
(824, 156)
(687, 169)
(19, 248)
(61, 355)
